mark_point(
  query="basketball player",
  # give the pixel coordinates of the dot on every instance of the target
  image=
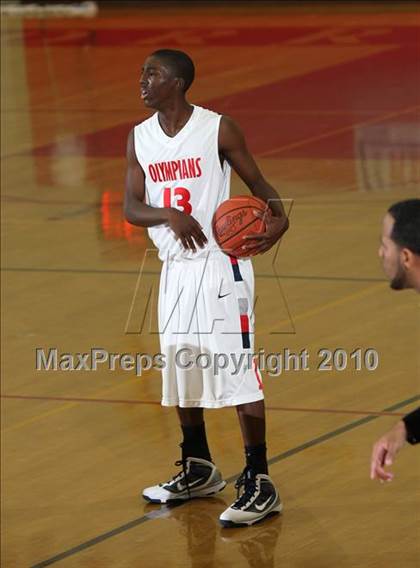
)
(179, 164)
(400, 255)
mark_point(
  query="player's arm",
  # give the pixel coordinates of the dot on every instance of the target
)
(387, 447)
(137, 212)
(385, 450)
(233, 148)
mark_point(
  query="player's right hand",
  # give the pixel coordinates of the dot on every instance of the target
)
(385, 450)
(187, 229)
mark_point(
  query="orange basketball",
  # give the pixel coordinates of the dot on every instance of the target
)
(234, 219)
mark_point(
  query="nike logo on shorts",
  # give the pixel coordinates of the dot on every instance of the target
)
(223, 295)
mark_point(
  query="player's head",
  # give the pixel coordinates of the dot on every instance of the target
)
(400, 245)
(166, 73)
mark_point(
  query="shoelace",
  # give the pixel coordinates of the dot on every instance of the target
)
(183, 463)
(247, 481)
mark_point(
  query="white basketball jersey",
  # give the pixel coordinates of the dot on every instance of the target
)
(184, 172)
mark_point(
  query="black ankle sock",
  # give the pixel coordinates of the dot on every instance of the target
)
(256, 458)
(195, 442)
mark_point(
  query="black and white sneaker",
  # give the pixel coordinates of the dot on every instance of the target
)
(198, 478)
(259, 499)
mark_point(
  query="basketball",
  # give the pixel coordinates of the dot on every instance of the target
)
(234, 219)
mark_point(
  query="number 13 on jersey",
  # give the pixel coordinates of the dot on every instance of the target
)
(178, 197)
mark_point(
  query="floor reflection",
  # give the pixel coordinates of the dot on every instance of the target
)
(205, 539)
(388, 156)
(257, 544)
(113, 224)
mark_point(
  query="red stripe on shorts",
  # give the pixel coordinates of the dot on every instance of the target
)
(258, 375)
(244, 323)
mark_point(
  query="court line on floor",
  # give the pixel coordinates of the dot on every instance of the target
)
(38, 201)
(77, 399)
(157, 273)
(323, 307)
(313, 311)
(164, 510)
(157, 403)
(303, 315)
(61, 408)
(378, 119)
(303, 200)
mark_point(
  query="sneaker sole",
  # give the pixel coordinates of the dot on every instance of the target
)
(231, 524)
(206, 492)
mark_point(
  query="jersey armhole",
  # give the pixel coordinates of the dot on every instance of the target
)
(135, 145)
(146, 189)
(135, 149)
(221, 168)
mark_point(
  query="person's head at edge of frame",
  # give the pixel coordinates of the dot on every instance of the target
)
(167, 74)
(400, 245)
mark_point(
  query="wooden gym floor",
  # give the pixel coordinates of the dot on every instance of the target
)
(329, 101)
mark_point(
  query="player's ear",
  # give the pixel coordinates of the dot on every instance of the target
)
(407, 257)
(180, 82)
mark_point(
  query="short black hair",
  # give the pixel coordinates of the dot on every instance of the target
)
(181, 64)
(406, 229)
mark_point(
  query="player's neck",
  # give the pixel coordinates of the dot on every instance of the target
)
(415, 279)
(174, 117)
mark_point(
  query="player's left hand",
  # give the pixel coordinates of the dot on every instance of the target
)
(275, 227)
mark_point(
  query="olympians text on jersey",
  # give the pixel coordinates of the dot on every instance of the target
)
(184, 172)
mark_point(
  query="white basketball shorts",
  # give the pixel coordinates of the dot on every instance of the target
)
(206, 325)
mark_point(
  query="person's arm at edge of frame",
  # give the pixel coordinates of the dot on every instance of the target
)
(386, 448)
(233, 148)
(412, 426)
